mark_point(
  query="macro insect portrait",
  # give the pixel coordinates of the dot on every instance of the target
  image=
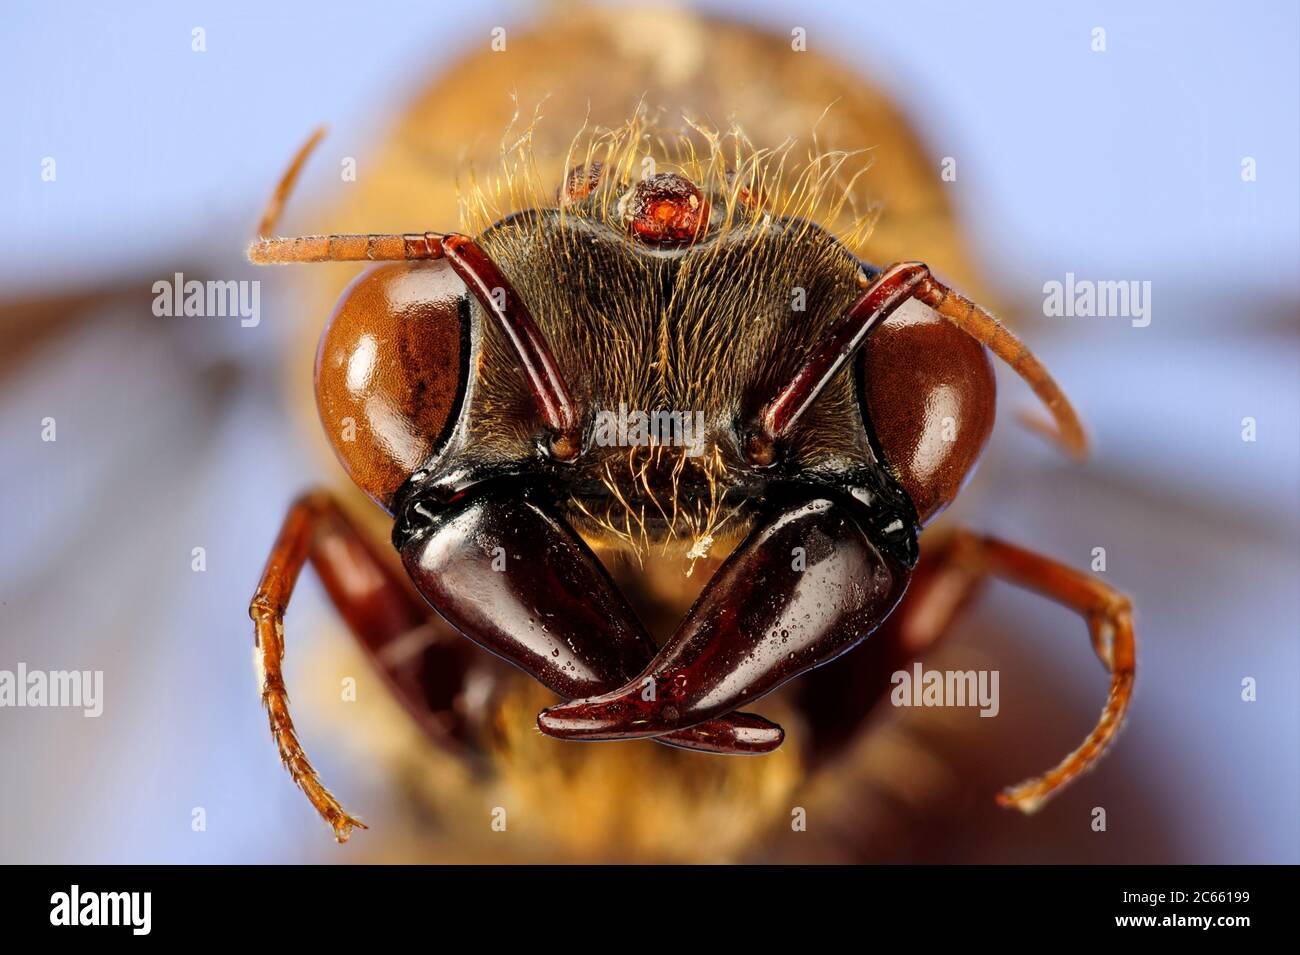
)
(655, 434)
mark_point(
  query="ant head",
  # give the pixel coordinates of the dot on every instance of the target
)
(655, 294)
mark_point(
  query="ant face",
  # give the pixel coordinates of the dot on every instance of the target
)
(647, 362)
(670, 346)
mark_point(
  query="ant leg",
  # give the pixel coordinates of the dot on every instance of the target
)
(300, 539)
(972, 558)
(413, 650)
(422, 660)
(945, 582)
(718, 657)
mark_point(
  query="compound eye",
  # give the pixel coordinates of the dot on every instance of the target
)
(929, 398)
(665, 209)
(391, 371)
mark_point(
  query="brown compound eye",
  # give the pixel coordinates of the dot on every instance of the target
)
(391, 371)
(929, 397)
(581, 182)
(665, 209)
